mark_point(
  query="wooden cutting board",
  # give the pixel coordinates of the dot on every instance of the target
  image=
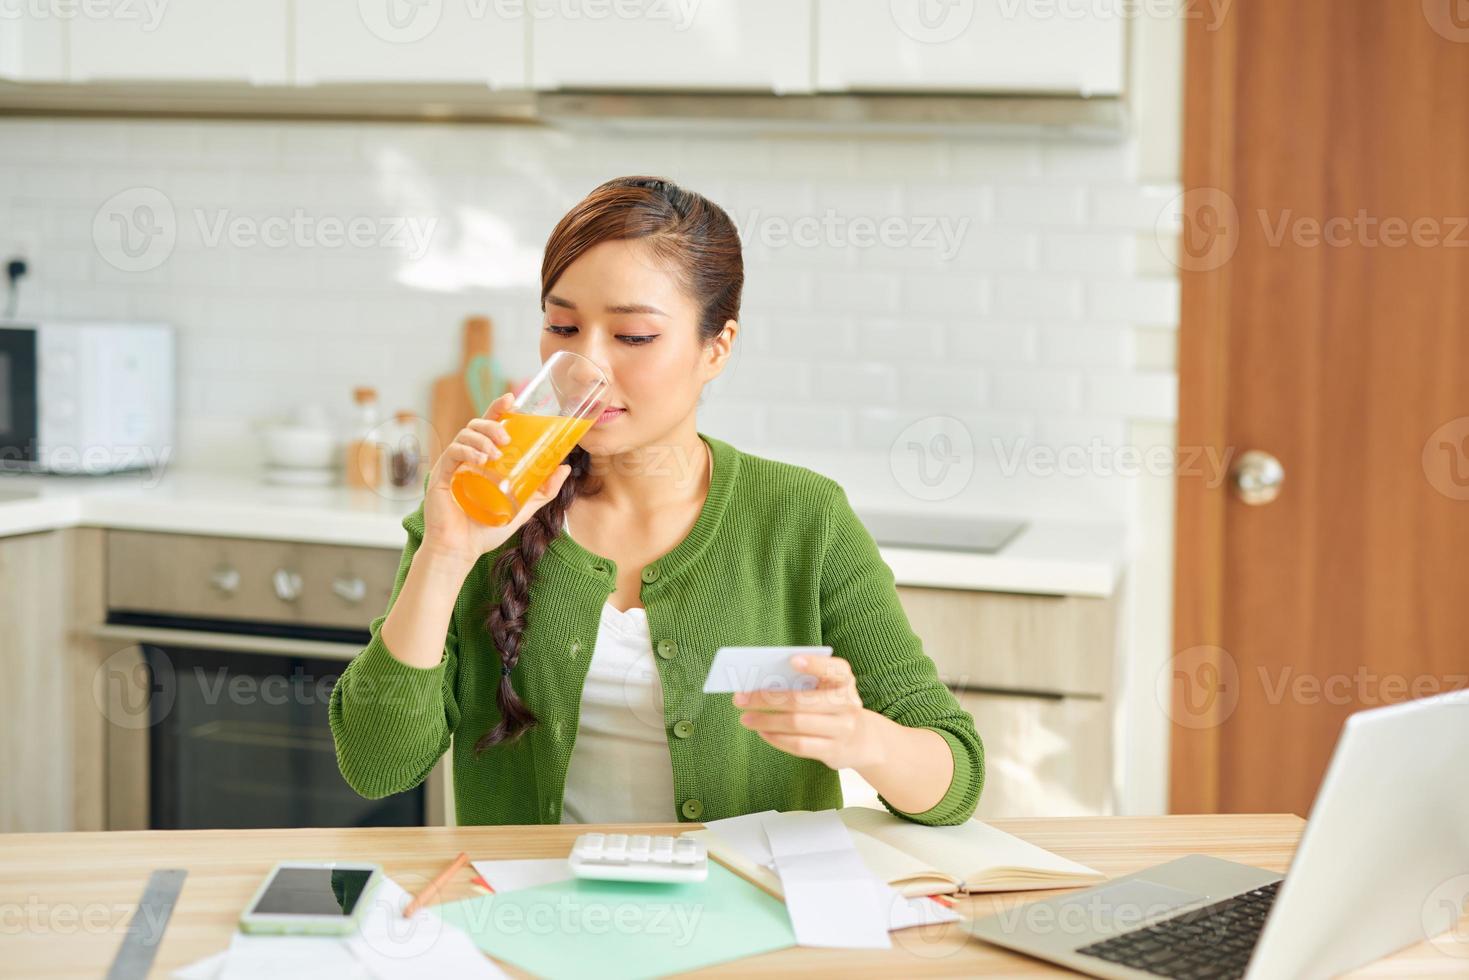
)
(451, 405)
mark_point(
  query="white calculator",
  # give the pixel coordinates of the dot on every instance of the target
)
(639, 857)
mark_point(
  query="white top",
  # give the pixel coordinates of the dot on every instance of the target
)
(620, 769)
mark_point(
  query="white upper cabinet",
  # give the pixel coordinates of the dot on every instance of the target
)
(1020, 46)
(32, 46)
(182, 40)
(466, 41)
(672, 45)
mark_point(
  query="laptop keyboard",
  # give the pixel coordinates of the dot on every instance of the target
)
(1208, 943)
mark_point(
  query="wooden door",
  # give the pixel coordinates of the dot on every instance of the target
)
(1326, 322)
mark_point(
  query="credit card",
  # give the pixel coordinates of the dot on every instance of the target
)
(759, 669)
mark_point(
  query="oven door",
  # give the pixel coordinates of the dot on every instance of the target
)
(19, 387)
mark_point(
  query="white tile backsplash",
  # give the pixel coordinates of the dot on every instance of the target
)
(991, 279)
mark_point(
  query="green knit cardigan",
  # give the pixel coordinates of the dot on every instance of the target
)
(777, 557)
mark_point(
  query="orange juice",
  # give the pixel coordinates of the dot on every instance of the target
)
(493, 493)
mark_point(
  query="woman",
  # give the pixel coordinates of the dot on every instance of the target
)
(529, 649)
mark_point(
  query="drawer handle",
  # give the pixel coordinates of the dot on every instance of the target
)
(353, 590)
(225, 579)
(287, 585)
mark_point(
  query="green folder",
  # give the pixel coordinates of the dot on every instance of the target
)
(610, 929)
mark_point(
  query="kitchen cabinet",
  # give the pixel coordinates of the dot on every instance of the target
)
(984, 46)
(347, 41)
(184, 41)
(1037, 674)
(734, 45)
(35, 734)
(32, 49)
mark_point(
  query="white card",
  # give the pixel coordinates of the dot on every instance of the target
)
(759, 669)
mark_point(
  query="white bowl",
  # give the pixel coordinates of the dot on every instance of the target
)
(299, 446)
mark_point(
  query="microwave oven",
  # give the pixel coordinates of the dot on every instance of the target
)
(85, 397)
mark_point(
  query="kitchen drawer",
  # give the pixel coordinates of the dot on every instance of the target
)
(997, 640)
(1044, 757)
(191, 575)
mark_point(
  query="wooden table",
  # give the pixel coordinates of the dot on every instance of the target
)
(65, 899)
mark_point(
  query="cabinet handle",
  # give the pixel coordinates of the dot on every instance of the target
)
(353, 590)
(287, 585)
(225, 579)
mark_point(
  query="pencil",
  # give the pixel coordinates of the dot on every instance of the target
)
(432, 888)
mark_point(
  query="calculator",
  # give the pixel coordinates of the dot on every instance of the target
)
(639, 857)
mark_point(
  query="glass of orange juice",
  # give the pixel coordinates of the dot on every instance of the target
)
(549, 417)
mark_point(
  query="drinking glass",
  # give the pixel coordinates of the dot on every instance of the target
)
(549, 417)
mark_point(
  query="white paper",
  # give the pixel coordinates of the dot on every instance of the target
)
(387, 947)
(509, 876)
(832, 897)
(746, 834)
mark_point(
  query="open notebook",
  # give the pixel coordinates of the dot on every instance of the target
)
(920, 860)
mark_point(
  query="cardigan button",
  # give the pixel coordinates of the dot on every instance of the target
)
(650, 574)
(684, 728)
(667, 649)
(692, 808)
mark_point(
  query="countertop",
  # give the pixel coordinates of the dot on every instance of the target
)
(1050, 556)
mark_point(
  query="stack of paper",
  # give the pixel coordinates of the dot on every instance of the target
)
(388, 947)
(831, 893)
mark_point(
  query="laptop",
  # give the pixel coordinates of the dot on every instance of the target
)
(1374, 872)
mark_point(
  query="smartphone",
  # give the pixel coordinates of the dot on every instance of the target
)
(314, 899)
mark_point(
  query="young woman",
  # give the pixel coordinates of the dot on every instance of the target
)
(561, 657)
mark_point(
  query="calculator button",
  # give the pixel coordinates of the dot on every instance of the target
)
(638, 847)
(589, 846)
(686, 852)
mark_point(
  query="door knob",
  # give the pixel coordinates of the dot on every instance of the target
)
(225, 579)
(1257, 477)
(287, 585)
(352, 590)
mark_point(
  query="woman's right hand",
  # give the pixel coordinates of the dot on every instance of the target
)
(447, 530)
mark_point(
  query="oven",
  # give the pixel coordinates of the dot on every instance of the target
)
(221, 654)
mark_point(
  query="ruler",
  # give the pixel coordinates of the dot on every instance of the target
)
(135, 957)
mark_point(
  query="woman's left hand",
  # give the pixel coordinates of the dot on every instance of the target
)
(827, 723)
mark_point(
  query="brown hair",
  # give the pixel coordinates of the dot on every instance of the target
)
(699, 243)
